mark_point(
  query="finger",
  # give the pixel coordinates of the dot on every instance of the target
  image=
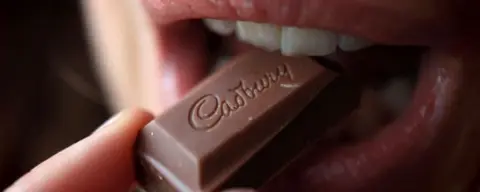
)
(100, 162)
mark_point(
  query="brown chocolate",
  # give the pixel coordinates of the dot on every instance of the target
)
(203, 140)
(317, 121)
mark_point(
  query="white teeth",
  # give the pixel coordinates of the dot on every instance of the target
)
(312, 42)
(266, 36)
(290, 40)
(349, 43)
(220, 26)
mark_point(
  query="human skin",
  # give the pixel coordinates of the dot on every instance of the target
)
(103, 161)
(432, 146)
(100, 162)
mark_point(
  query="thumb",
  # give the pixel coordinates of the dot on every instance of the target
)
(100, 162)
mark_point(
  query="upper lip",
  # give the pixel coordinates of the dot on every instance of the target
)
(407, 22)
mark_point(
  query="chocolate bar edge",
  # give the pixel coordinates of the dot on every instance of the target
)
(175, 182)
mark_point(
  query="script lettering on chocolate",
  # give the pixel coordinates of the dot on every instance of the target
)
(209, 110)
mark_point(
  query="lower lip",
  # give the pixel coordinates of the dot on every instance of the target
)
(429, 147)
(426, 148)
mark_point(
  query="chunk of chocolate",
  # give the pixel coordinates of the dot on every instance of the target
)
(320, 120)
(203, 140)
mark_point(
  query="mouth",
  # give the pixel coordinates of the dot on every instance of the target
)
(388, 48)
(398, 22)
(385, 73)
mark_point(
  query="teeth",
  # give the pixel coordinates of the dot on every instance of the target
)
(290, 40)
(313, 42)
(349, 43)
(266, 36)
(219, 26)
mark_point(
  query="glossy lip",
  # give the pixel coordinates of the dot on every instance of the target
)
(426, 22)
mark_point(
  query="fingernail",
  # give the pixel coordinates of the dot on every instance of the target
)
(109, 122)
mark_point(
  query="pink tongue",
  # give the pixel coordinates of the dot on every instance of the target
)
(182, 63)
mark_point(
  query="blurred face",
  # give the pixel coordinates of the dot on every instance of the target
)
(415, 61)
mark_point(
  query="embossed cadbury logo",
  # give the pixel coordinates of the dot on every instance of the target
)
(209, 110)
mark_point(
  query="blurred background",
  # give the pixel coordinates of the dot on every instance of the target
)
(50, 94)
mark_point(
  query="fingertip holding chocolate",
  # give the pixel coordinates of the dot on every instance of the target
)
(126, 120)
(100, 162)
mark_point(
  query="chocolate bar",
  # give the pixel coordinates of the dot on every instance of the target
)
(220, 133)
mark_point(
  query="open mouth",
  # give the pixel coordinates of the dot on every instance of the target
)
(386, 74)
(388, 144)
